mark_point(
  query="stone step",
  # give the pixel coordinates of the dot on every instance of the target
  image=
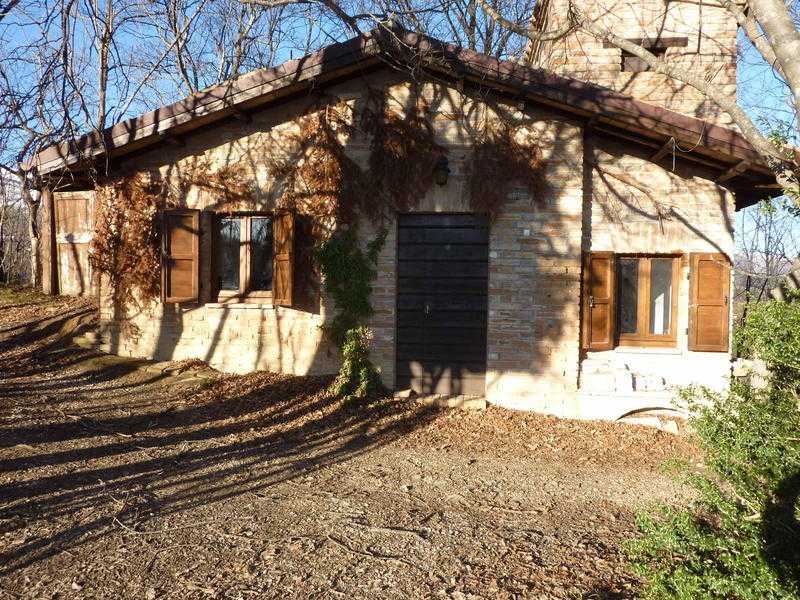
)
(617, 380)
(595, 365)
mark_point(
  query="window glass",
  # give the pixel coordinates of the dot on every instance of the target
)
(628, 294)
(227, 254)
(660, 295)
(261, 253)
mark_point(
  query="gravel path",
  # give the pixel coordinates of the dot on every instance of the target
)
(122, 479)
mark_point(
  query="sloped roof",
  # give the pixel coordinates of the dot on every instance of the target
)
(741, 168)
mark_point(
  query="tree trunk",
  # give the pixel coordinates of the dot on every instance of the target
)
(784, 39)
(32, 201)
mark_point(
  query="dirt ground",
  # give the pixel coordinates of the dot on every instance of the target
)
(127, 479)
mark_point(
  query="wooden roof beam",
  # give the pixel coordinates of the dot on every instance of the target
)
(241, 116)
(662, 152)
(171, 139)
(735, 170)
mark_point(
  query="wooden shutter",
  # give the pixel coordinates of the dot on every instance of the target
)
(709, 310)
(283, 259)
(180, 281)
(599, 318)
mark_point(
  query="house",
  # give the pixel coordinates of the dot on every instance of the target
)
(592, 297)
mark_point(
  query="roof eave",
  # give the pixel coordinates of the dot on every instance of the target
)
(603, 106)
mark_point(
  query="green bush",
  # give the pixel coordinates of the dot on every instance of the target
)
(349, 272)
(740, 537)
(358, 378)
(772, 333)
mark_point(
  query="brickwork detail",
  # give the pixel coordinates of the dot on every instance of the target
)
(710, 50)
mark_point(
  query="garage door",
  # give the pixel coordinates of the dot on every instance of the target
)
(442, 283)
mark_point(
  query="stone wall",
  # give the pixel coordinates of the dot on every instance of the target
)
(710, 52)
(236, 338)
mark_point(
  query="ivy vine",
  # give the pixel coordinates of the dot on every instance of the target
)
(349, 271)
(504, 156)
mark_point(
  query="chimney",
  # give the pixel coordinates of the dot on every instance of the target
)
(699, 36)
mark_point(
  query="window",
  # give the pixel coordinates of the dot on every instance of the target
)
(646, 300)
(630, 63)
(633, 64)
(243, 257)
(632, 300)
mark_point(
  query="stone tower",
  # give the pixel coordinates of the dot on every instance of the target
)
(699, 35)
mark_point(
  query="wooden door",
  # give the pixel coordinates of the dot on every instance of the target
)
(442, 298)
(74, 226)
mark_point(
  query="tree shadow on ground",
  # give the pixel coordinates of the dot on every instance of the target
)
(123, 446)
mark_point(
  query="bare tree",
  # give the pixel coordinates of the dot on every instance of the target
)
(214, 40)
(14, 241)
(461, 21)
(768, 244)
(68, 67)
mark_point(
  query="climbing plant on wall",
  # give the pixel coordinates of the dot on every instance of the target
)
(503, 156)
(349, 271)
(126, 243)
(126, 246)
(318, 177)
(403, 152)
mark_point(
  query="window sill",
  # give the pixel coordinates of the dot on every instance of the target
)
(647, 350)
(241, 305)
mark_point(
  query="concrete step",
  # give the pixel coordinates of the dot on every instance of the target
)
(595, 365)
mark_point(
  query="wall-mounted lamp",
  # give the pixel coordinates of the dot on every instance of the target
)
(441, 171)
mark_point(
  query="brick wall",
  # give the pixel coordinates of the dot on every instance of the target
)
(682, 212)
(710, 52)
(534, 263)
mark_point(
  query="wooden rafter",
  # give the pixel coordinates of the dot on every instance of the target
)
(241, 115)
(662, 152)
(735, 170)
(171, 139)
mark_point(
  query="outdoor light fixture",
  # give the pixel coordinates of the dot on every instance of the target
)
(441, 171)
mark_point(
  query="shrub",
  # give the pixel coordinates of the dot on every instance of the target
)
(740, 537)
(772, 333)
(349, 272)
(358, 378)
